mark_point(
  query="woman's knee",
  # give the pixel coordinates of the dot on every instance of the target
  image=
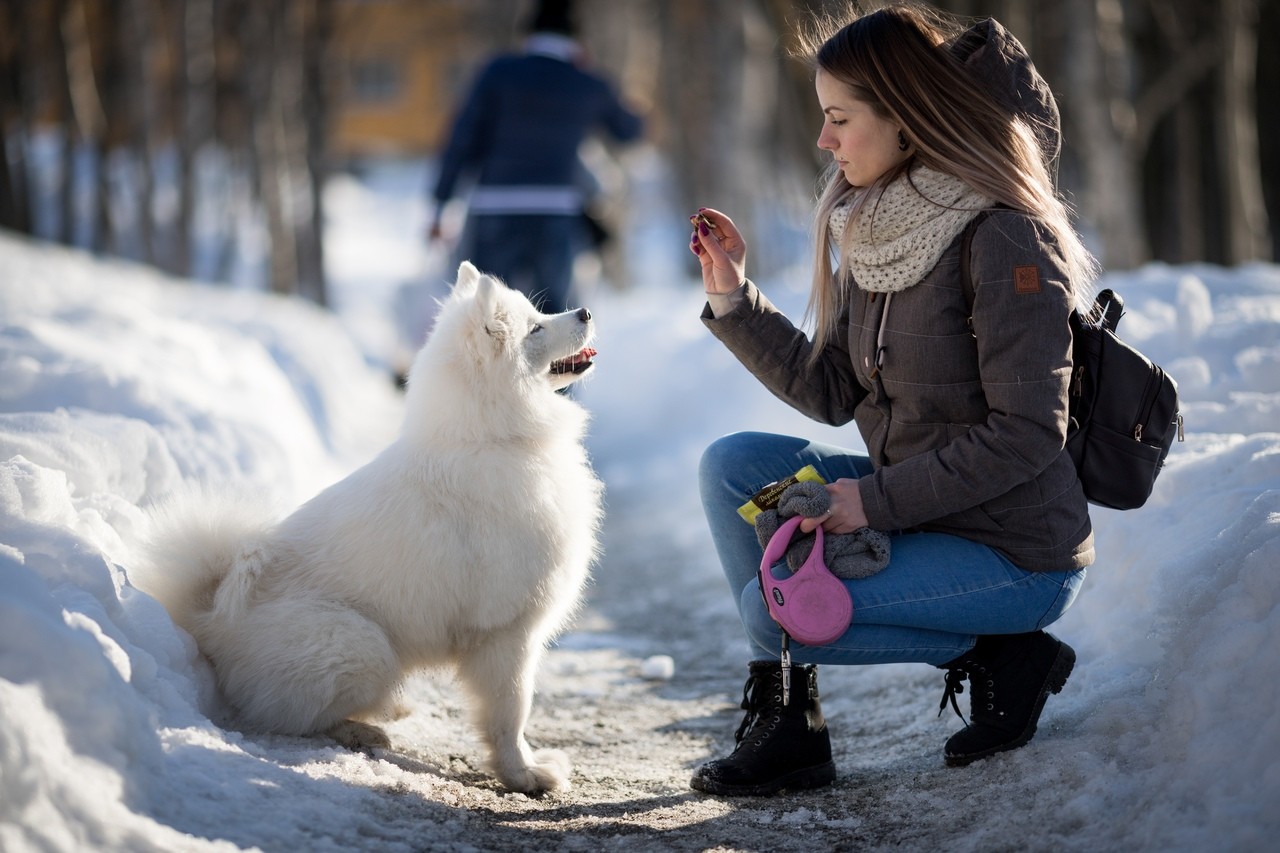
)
(727, 450)
(722, 456)
(756, 621)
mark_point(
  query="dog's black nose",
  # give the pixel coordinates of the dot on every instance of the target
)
(584, 315)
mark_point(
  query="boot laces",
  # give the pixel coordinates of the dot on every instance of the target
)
(753, 704)
(749, 705)
(954, 684)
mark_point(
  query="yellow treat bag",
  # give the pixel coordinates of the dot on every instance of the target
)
(768, 497)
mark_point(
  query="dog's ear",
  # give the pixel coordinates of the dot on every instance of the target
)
(468, 278)
(497, 323)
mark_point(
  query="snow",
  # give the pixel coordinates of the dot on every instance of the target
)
(117, 385)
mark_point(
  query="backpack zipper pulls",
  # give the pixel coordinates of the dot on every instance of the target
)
(1148, 400)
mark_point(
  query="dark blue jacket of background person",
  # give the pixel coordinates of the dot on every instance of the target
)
(516, 138)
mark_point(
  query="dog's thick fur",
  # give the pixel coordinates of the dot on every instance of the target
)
(467, 541)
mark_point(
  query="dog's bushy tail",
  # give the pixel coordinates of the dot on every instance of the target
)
(202, 552)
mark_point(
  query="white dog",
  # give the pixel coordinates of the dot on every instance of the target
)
(467, 541)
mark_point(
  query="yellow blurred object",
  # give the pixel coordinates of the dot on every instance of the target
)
(768, 497)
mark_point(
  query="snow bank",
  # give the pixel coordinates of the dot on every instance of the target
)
(117, 385)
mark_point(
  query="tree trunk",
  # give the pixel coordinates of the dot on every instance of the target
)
(87, 110)
(1246, 213)
(139, 32)
(198, 105)
(314, 123)
(121, 112)
(15, 204)
(267, 53)
(232, 134)
(1189, 224)
(1100, 99)
(59, 59)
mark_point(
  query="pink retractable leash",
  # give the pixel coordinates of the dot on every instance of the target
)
(811, 605)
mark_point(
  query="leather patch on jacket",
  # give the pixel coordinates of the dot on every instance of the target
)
(1026, 279)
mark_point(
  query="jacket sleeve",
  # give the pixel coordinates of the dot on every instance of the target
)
(1021, 309)
(777, 354)
(470, 131)
(622, 124)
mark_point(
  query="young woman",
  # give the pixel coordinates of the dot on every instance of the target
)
(961, 400)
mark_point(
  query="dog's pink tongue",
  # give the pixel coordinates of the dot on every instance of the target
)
(586, 354)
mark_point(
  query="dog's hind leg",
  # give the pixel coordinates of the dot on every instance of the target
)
(307, 666)
(500, 674)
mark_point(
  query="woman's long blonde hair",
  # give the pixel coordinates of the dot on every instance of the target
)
(897, 60)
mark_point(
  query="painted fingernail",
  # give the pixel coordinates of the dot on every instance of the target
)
(703, 229)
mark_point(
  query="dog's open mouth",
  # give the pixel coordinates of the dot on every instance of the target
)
(576, 363)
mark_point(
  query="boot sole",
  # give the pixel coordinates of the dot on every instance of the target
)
(818, 776)
(1054, 681)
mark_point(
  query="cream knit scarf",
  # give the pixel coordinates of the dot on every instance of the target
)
(912, 224)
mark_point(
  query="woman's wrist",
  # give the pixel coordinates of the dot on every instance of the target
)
(741, 285)
(724, 303)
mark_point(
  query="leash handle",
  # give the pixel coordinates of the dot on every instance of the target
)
(777, 546)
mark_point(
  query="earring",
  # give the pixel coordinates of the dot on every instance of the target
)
(903, 145)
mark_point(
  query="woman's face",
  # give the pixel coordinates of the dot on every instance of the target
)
(864, 145)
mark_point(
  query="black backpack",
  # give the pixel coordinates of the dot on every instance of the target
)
(1123, 409)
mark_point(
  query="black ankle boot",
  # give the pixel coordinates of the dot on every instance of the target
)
(778, 745)
(1010, 676)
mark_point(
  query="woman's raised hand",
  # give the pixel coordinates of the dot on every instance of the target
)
(720, 249)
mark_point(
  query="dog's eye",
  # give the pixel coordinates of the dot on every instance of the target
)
(536, 328)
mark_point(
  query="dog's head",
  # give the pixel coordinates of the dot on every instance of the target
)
(498, 333)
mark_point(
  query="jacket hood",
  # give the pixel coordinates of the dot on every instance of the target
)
(1001, 66)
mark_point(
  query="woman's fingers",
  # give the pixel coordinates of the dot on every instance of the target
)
(719, 247)
(719, 222)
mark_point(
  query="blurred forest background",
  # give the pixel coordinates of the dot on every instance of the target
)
(190, 134)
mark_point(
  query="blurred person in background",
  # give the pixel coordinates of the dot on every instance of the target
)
(517, 138)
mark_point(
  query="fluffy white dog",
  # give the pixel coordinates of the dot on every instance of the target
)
(467, 541)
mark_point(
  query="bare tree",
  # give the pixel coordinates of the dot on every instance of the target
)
(15, 205)
(313, 123)
(737, 110)
(1159, 103)
(1102, 98)
(1241, 169)
(1178, 212)
(197, 56)
(265, 36)
(140, 43)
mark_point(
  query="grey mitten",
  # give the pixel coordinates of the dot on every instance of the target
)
(859, 554)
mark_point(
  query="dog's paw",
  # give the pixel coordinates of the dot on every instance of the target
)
(549, 772)
(359, 736)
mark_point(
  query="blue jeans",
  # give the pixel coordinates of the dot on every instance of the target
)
(938, 593)
(532, 253)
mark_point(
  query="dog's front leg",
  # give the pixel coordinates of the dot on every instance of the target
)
(500, 673)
